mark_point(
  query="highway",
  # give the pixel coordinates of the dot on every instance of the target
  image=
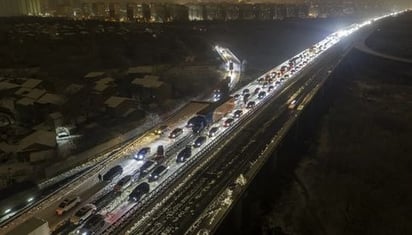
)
(178, 197)
(184, 207)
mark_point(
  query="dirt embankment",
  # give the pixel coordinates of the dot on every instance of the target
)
(356, 177)
(393, 37)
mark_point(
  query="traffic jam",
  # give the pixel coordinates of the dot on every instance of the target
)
(134, 179)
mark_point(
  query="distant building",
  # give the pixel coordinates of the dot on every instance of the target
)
(35, 146)
(86, 10)
(115, 11)
(94, 75)
(34, 93)
(51, 99)
(197, 12)
(215, 12)
(140, 71)
(313, 11)
(150, 89)
(73, 89)
(232, 11)
(99, 10)
(104, 86)
(247, 12)
(120, 106)
(20, 7)
(292, 11)
(139, 12)
(158, 13)
(264, 11)
(303, 11)
(31, 83)
(6, 85)
(177, 12)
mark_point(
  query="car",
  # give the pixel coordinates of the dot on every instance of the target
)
(62, 135)
(93, 225)
(161, 130)
(184, 154)
(292, 104)
(228, 122)
(286, 76)
(199, 141)
(113, 173)
(261, 95)
(83, 214)
(157, 173)
(147, 167)
(213, 131)
(236, 96)
(251, 104)
(67, 204)
(270, 88)
(143, 152)
(140, 190)
(277, 82)
(123, 183)
(265, 84)
(176, 133)
(237, 113)
(217, 94)
(256, 90)
(245, 91)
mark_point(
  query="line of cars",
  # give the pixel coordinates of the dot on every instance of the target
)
(153, 169)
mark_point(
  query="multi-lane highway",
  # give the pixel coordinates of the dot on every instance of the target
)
(225, 164)
(176, 198)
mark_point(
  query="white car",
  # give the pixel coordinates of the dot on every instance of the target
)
(83, 214)
(67, 204)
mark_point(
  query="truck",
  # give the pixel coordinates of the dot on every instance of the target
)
(211, 114)
(113, 173)
(160, 154)
(184, 154)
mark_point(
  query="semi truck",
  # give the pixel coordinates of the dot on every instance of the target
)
(211, 114)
